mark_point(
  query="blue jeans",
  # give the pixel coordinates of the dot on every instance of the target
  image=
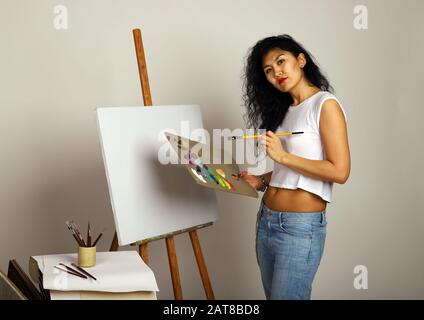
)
(289, 247)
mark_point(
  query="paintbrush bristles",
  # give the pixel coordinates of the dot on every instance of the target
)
(75, 231)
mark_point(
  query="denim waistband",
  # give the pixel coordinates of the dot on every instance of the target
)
(310, 216)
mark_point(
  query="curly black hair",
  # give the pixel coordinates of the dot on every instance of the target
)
(265, 104)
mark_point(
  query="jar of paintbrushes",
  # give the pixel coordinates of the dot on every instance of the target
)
(86, 248)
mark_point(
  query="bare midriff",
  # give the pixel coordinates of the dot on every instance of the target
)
(298, 200)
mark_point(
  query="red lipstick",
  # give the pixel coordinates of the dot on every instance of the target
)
(281, 80)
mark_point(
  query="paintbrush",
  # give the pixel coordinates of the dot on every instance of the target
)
(77, 232)
(73, 273)
(282, 134)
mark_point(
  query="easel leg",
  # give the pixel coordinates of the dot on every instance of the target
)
(143, 250)
(115, 245)
(173, 265)
(202, 265)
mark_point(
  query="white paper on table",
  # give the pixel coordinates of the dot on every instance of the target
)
(101, 295)
(61, 295)
(120, 271)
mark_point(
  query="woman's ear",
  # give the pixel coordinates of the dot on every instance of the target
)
(301, 59)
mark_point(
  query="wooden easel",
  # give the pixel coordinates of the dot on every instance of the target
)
(169, 238)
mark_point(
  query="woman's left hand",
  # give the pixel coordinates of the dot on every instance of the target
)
(274, 148)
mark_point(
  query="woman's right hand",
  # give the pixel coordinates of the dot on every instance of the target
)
(254, 181)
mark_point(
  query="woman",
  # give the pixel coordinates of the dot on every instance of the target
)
(285, 91)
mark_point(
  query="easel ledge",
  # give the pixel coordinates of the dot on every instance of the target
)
(175, 233)
(169, 237)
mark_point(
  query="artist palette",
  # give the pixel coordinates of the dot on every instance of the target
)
(222, 177)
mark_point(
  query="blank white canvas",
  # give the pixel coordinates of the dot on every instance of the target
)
(150, 199)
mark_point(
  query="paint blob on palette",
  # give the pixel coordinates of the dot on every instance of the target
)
(207, 174)
(198, 175)
(220, 172)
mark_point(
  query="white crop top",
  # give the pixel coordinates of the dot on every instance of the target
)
(304, 117)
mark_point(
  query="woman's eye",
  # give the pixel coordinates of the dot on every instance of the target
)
(280, 61)
(267, 71)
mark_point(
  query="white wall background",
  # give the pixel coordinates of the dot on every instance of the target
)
(51, 167)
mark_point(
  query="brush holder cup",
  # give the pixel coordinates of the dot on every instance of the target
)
(86, 256)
